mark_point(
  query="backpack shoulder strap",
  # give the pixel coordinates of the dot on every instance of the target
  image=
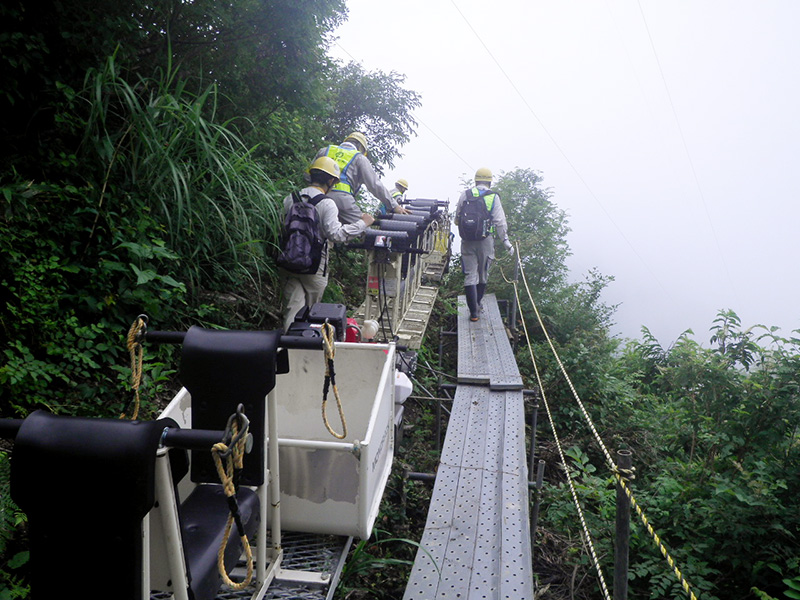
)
(495, 195)
(317, 199)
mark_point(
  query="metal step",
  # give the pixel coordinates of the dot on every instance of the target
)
(320, 556)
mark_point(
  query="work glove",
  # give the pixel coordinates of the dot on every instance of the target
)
(509, 247)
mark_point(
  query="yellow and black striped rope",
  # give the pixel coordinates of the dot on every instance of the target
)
(587, 536)
(659, 544)
(620, 479)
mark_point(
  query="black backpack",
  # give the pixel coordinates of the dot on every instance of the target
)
(474, 220)
(302, 243)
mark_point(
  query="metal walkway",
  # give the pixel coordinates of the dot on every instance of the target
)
(476, 543)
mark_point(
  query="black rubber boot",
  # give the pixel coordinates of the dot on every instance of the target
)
(481, 287)
(471, 292)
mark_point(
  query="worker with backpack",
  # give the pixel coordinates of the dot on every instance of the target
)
(310, 227)
(479, 217)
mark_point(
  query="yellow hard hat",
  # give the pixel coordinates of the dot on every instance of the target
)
(327, 165)
(402, 183)
(483, 174)
(359, 137)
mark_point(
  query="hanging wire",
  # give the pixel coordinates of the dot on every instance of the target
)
(560, 150)
(688, 154)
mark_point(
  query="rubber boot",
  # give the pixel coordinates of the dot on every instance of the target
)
(481, 287)
(471, 292)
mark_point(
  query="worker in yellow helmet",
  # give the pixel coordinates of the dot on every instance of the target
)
(304, 288)
(399, 190)
(356, 170)
(479, 217)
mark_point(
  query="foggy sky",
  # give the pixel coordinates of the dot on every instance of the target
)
(668, 132)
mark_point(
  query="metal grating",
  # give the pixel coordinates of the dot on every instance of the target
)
(301, 552)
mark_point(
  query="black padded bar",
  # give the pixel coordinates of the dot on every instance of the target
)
(425, 201)
(398, 217)
(52, 455)
(395, 235)
(286, 341)
(406, 226)
(187, 439)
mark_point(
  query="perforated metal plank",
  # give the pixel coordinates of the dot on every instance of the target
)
(457, 566)
(504, 372)
(472, 367)
(487, 555)
(484, 552)
(478, 533)
(485, 356)
(456, 569)
(457, 425)
(516, 568)
(451, 529)
(430, 559)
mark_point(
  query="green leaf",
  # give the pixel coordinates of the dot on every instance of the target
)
(793, 583)
(19, 559)
(143, 276)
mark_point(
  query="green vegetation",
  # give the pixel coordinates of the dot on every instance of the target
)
(147, 150)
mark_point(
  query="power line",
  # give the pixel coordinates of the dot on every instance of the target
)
(688, 154)
(421, 122)
(558, 147)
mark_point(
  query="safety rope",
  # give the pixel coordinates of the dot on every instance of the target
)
(621, 475)
(330, 381)
(136, 351)
(584, 526)
(232, 453)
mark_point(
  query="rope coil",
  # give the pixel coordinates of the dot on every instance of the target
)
(136, 352)
(231, 450)
(330, 381)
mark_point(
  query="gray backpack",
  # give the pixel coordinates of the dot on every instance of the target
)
(302, 243)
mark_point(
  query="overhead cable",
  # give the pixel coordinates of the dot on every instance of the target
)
(688, 154)
(421, 122)
(561, 151)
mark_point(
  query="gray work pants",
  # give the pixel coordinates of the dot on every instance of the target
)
(300, 291)
(476, 259)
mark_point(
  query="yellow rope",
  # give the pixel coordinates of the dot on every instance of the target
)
(137, 359)
(330, 380)
(617, 472)
(234, 460)
(574, 494)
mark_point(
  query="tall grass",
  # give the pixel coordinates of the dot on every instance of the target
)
(161, 149)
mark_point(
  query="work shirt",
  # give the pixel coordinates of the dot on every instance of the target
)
(398, 195)
(497, 213)
(330, 227)
(359, 172)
